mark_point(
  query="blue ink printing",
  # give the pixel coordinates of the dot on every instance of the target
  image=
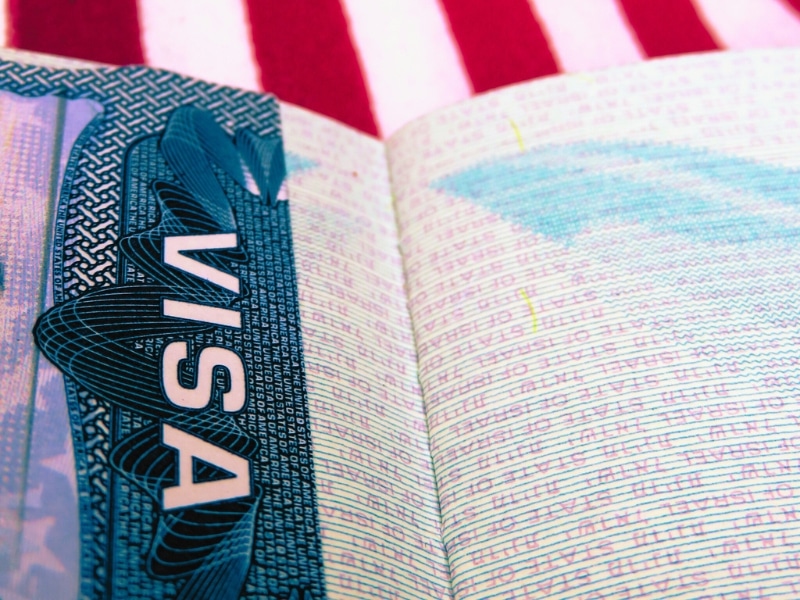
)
(182, 352)
(560, 190)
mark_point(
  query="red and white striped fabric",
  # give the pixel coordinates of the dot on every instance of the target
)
(377, 64)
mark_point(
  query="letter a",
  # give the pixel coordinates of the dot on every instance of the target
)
(188, 492)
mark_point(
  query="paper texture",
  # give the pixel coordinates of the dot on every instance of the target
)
(602, 282)
(378, 507)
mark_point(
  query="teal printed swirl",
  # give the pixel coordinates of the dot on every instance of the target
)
(176, 325)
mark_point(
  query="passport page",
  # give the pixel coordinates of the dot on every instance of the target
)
(603, 282)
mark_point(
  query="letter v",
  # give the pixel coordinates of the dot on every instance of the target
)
(175, 245)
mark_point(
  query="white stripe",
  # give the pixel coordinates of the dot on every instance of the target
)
(207, 39)
(587, 34)
(743, 24)
(409, 58)
(4, 23)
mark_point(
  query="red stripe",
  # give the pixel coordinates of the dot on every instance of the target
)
(666, 27)
(306, 57)
(501, 41)
(100, 30)
(795, 4)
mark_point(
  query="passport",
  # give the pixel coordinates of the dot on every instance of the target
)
(541, 344)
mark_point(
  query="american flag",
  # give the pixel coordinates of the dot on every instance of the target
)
(377, 64)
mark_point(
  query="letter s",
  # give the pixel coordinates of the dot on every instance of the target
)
(208, 360)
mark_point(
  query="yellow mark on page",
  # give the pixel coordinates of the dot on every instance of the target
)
(518, 134)
(530, 307)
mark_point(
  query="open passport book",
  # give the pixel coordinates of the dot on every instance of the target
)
(544, 343)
